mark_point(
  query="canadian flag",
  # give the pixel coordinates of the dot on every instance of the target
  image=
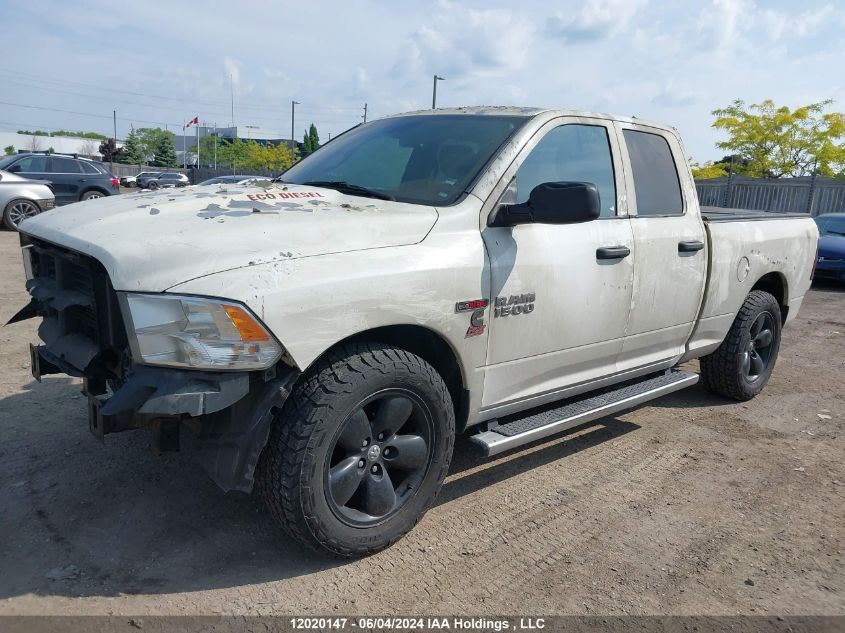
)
(194, 121)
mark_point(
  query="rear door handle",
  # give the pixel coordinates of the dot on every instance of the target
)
(612, 252)
(690, 246)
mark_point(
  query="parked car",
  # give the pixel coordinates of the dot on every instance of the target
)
(168, 179)
(507, 272)
(143, 179)
(229, 180)
(830, 263)
(22, 198)
(72, 178)
(128, 181)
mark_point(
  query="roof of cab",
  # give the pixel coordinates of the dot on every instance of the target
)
(532, 112)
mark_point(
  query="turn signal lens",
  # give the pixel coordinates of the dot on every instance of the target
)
(245, 324)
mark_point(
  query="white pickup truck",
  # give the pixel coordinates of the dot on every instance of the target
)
(504, 272)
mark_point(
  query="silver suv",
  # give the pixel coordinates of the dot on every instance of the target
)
(22, 198)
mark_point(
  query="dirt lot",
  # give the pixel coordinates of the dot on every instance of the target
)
(693, 505)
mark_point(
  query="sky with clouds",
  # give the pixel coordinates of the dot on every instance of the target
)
(69, 64)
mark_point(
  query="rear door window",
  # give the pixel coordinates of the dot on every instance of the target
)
(89, 168)
(60, 165)
(658, 189)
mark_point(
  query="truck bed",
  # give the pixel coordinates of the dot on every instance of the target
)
(741, 250)
(719, 214)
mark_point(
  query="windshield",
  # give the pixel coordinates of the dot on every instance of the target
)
(426, 159)
(8, 160)
(831, 226)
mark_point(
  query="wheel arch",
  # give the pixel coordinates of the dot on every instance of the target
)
(775, 284)
(428, 345)
(102, 190)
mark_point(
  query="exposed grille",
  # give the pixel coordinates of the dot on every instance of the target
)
(82, 321)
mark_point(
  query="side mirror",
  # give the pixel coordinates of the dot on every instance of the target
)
(552, 203)
(14, 169)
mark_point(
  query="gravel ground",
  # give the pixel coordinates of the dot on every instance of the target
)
(691, 505)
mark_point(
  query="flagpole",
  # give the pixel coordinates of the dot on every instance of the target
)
(184, 152)
(198, 146)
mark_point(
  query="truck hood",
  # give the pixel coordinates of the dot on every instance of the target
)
(153, 241)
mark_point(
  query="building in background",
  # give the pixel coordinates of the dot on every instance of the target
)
(87, 147)
(262, 136)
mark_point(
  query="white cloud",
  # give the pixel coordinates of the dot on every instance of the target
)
(725, 23)
(459, 41)
(596, 19)
(780, 25)
(666, 61)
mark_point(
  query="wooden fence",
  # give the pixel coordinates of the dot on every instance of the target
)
(813, 195)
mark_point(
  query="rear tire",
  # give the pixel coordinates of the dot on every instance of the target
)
(92, 195)
(332, 490)
(742, 365)
(17, 211)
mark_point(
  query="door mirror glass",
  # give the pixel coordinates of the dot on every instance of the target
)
(552, 203)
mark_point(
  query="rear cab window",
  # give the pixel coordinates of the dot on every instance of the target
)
(656, 182)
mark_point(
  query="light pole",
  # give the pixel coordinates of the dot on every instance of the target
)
(293, 105)
(434, 91)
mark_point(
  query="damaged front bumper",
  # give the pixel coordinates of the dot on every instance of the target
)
(227, 415)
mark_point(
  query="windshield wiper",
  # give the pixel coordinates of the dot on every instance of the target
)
(348, 187)
(829, 232)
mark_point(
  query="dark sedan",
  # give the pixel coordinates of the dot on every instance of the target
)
(831, 260)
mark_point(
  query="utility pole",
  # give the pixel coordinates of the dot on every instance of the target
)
(434, 91)
(232, 86)
(114, 120)
(293, 105)
(365, 113)
(215, 147)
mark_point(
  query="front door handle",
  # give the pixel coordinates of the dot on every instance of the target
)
(690, 246)
(612, 252)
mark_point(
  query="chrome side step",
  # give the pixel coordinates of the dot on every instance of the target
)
(516, 431)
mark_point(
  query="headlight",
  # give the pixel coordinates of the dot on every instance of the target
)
(195, 332)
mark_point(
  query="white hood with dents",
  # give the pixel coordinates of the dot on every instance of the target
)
(153, 241)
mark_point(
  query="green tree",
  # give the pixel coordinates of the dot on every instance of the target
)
(314, 138)
(708, 170)
(9, 150)
(310, 141)
(110, 151)
(165, 152)
(306, 144)
(778, 142)
(207, 147)
(150, 139)
(133, 152)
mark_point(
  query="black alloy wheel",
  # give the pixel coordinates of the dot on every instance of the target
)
(379, 458)
(757, 355)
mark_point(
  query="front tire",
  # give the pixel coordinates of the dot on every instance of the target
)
(359, 450)
(742, 365)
